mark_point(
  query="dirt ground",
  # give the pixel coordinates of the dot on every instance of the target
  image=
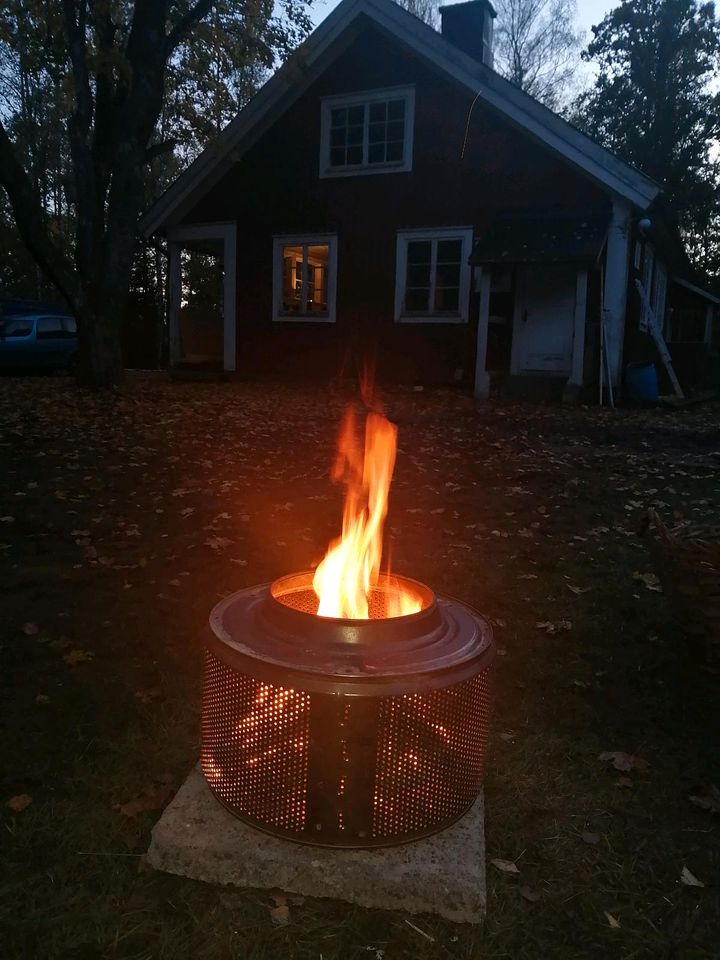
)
(124, 519)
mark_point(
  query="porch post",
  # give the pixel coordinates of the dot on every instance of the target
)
(575, 381)
(482, 378)
(229, 297)
(174, 300)
(616, 286)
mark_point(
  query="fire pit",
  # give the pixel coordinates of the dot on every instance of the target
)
(346, 707)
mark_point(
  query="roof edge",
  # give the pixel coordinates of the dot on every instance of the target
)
(540, 122)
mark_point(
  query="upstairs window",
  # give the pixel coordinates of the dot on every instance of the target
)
(367, 132)
(432, 281)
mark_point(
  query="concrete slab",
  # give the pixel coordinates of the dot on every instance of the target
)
(444, 875)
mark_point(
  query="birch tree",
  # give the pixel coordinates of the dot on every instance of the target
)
(537, 47)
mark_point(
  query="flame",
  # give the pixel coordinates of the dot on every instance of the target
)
(351, 568)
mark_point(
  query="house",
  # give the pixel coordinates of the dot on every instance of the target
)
(387, 191)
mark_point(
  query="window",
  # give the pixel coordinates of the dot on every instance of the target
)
(368, 132)
(432, 280)
(70, 326)
(50, 328)
(304, 278)
(18, 327)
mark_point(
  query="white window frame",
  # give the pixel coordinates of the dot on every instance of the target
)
(328, 104)
(296, 240)
(434, 233)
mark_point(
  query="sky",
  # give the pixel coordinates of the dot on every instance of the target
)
(589, 11)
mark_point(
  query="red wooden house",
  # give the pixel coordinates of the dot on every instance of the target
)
(386, 191)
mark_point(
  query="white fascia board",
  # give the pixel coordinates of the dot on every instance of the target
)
(276, 95)
(600, 164)
(295, 76)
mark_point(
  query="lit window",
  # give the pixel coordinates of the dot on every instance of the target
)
(432, 282)
(304, 278)
(367, 133)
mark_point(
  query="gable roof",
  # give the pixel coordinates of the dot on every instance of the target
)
(325, 43)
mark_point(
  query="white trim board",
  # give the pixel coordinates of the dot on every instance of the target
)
(327, 42)
(227, 232)
(297, 240)
(363, 98)
(465, 235)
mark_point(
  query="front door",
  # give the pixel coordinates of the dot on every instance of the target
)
(544, 319)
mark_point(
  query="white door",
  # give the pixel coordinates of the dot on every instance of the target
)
(544, 319)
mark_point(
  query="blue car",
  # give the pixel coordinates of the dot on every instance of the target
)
(38, 341)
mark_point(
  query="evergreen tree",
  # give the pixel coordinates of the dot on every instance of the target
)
(654, 103)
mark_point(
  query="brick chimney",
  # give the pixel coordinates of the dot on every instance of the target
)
(470, 27)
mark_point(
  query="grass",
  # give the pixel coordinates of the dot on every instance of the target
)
(112, 503)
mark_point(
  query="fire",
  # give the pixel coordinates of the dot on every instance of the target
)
(350, 569)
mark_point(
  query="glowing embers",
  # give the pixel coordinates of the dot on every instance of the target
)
(255, 746)
(431, 751)
(388, 595)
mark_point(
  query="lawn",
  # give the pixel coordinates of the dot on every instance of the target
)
(124, 519)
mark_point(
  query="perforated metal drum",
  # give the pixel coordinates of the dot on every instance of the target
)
(349, 733)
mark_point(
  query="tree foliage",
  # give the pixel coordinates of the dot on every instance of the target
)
(537, 47)
(95, 92)
(655, 104)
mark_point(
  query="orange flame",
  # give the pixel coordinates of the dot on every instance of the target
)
(351, 567)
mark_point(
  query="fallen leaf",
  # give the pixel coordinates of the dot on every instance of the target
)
(624, 761)
(553, 628)
(651, 580)
(280, 915)
(527, 893)
(625, 782)
(589, 837)
(689, 879)
(78, 656)
(615, 924)
(216, 543)
(505, 866)
(152, 797)
(578, 591)
(30, 629)
(707, 798)
(19, 803)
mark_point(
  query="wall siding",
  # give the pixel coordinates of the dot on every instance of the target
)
(275, 189)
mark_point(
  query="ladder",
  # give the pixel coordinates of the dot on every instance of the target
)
(657, 336)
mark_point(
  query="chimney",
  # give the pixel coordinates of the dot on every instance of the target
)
(469, 26)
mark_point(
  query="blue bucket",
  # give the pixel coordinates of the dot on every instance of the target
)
(641, 383)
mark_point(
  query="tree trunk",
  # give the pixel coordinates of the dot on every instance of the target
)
(100, 363)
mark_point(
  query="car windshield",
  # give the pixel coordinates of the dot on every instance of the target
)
(16, 327)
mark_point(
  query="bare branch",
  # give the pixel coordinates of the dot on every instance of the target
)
(30, 221)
